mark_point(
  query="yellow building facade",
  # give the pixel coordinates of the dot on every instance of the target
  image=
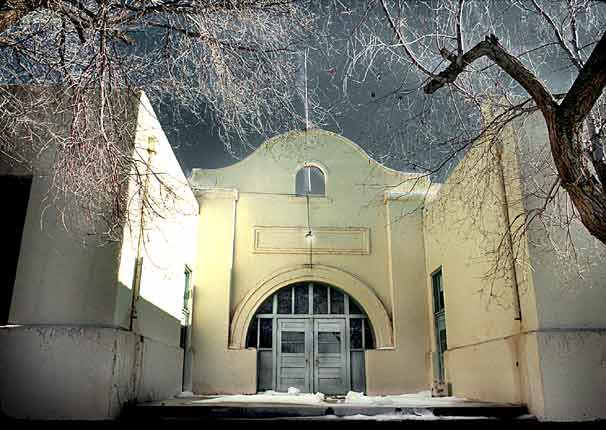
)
(308, 236)
(258, 223)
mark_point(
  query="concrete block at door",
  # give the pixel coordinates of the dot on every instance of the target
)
(440, 389)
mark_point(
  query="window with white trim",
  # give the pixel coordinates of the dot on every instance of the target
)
(310, 181)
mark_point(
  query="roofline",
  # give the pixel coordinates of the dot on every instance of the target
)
(319, 131)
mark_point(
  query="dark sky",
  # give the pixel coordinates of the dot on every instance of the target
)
(365, 110)
(377, 111)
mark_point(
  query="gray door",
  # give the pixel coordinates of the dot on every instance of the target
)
(293, 355)
(441, 345)
(330, 357)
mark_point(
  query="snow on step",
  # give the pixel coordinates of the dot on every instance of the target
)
(295, 396)
(422, 398)
(292, 396)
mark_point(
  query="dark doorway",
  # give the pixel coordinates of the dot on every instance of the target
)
(439, 323)
(15, 190)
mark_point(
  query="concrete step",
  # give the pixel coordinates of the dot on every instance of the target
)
(249, 411)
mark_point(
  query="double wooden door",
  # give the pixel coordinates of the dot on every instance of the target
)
(312, 355)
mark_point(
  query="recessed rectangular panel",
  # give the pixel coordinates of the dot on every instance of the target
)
(293, 360)
(331, 386)
(293, 336)
(330, 360)
(293, 372)
(327, 325)
(330, 372)
(298, 383)
(326, 240)
(291, 324)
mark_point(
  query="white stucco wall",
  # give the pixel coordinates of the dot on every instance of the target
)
(573, 296)
(70, 312)
(60, 372)
(569, 278)
(58, 279)
(169, 236)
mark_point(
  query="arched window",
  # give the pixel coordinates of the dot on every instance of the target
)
(310, 336)
(310, 181)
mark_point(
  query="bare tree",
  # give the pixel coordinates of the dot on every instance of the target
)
(234, 60)
(575, 131)
(518, 56)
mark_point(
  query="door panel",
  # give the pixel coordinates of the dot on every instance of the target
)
(330, 356)
(265, 370)
(358, 373)
(293, 355)
(441, 346)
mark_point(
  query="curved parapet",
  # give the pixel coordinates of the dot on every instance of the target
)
(273, 166)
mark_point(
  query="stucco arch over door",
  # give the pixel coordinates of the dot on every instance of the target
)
(364, 295)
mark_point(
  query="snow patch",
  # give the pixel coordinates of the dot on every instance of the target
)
(293, 395)
(393, 417)
(414, 399)
(185, 394)
(421, 415)
(410, 417)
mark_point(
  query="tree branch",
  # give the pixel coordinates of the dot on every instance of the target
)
(574, 60)
(397, 32)
(491, 48)
(459, 33)
(587, 87)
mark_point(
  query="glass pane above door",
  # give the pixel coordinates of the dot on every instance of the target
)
(267, 307)
(320, 299)
(285, 301)
(266, 331)
(337, 301)
(302, 299)
(355, 338)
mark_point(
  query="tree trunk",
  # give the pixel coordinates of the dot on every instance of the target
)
(586, 193)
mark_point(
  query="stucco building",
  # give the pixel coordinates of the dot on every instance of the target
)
(311, 266)
(86, 328)
(321, 269)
